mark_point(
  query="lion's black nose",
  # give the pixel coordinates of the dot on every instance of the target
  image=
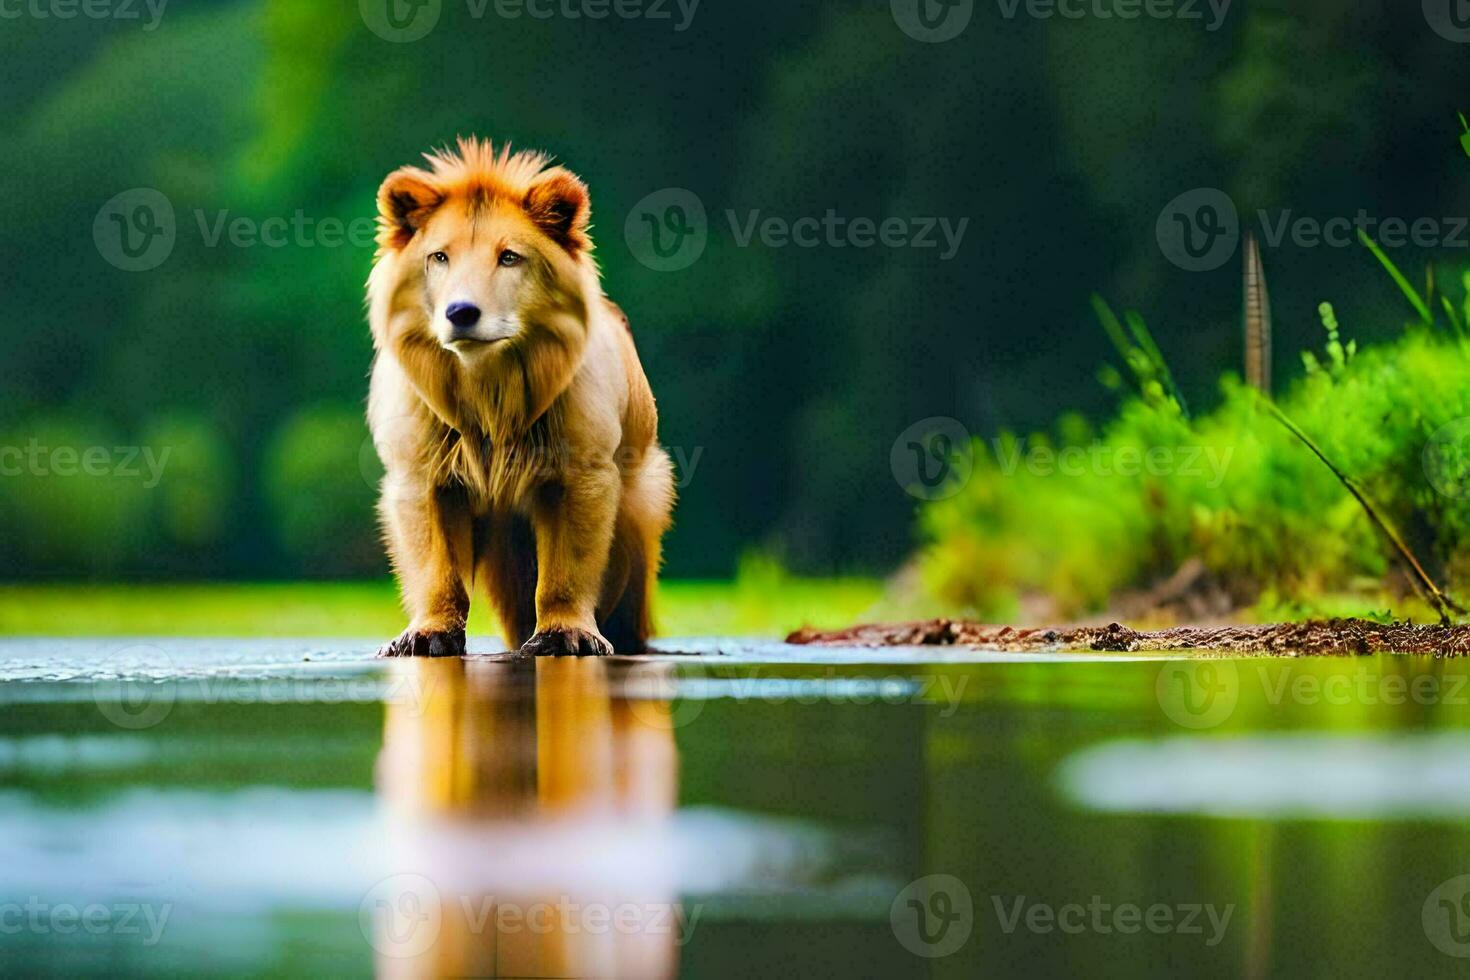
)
(463, 315)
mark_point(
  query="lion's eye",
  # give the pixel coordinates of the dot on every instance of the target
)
(509, 258)
(438, 258)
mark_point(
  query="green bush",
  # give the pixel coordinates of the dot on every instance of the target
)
(1232, 488)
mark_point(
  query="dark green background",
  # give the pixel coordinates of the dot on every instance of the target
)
(792, 370)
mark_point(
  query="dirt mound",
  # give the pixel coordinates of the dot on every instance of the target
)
(1334, 637)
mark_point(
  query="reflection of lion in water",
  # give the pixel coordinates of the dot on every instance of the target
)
(511, 411)
(526, 800)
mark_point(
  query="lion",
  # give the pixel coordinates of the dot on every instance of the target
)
(511, 412)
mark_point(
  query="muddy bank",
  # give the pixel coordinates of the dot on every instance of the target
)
(1335, 637)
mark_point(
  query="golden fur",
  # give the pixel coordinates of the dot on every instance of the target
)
(521, 445)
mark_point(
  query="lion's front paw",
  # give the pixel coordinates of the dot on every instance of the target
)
(426, 643)
(571, 642)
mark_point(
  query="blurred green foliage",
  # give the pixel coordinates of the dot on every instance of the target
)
(317, 512)
(1151, 489)
(791, 370)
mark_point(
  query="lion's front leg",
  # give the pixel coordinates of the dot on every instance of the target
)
(573, 518)
(429, 538)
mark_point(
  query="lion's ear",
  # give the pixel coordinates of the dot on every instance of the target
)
(559, 206)
(405, 201)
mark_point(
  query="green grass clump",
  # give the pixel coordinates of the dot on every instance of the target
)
(1233, 488)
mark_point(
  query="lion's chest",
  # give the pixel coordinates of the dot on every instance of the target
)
(502, 475)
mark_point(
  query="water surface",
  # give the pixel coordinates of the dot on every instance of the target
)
(728, 809)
